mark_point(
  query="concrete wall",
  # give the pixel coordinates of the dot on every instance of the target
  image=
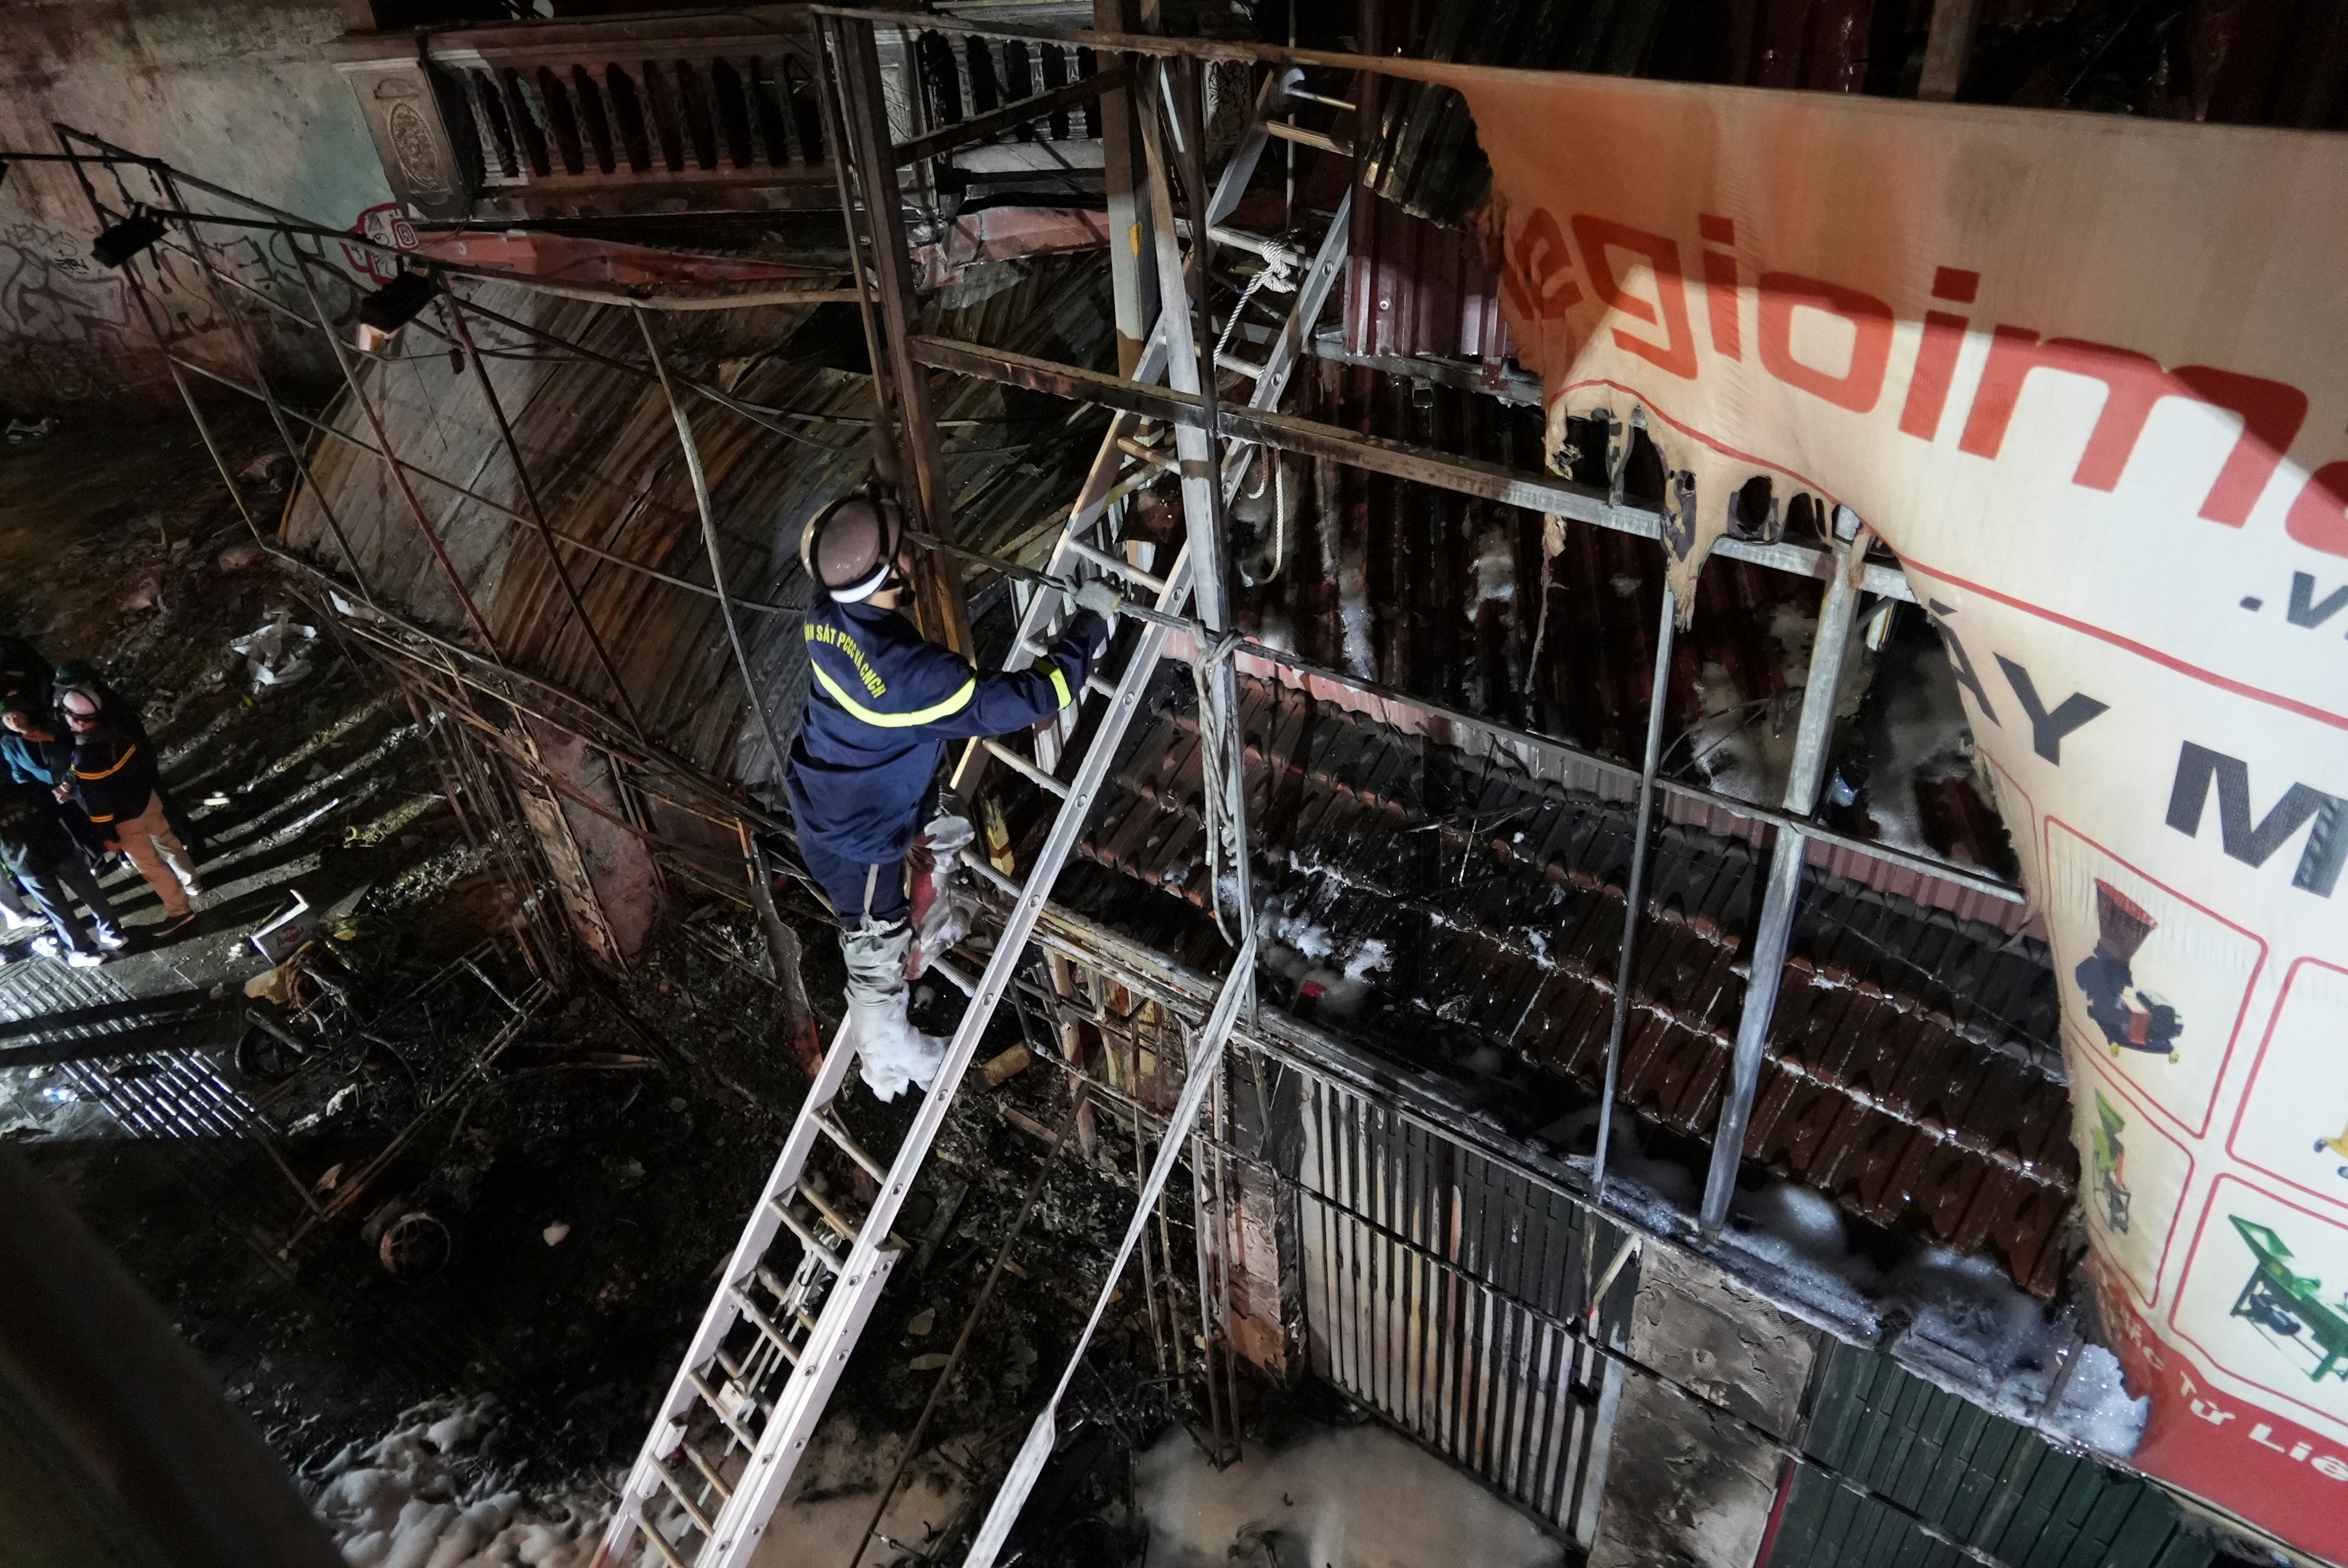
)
(1686, 1485)
(240, 93)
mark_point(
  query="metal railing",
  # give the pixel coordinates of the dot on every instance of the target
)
(608, 115)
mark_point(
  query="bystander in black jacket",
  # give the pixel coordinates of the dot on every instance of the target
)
(33, 841)
(113, 773)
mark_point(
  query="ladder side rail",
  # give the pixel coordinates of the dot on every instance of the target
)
(719, 1319)
(743, 1516)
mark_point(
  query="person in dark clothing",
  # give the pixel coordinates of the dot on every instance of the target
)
(76, 680)
(35, 749)
(43, 856)
(79, 675)
(113, 777)
(881, 706)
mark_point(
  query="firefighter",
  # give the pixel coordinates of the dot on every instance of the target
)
(881, 705)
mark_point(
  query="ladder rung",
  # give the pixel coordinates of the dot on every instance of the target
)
(836, 1220)
(1119, 566)
(807, 1319)
(651, 1533)
(716, 1404)
(986, 872)
(965, 983)
(708, 1472)
(1026, 768)
(806, 1233)
(851, 1148)
(1272, 250)
(677, 1491)
(1303, 138)
(1239, 366)
(1100, 685)
(1148, 455)
(766, 1326)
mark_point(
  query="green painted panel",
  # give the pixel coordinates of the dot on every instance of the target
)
(1989, 1482)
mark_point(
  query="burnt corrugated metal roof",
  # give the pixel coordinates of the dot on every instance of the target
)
(1451, 597)
(1910, 1070)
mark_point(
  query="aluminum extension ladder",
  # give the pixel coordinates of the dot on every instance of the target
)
(773, 1340)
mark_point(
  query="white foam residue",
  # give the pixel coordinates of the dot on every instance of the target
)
(1969, 1305)
(1367, 959)
(1926, 738)
(1312, 940)
(1496, 570)
(426, 1497)
(2097, 1409)
(823, 1521)
(1800, 1232)
(1357, 1498)
(1345, 562)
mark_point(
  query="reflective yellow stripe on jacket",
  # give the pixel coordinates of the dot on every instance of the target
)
(934, 712)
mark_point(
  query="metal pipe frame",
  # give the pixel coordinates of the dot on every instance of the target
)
(1461, 722)
(240, 331)
(868, 161)
(1776, 927)
(382, 439)
(537, 511)
(692, 449)
(1635, 891)
(1373, 454)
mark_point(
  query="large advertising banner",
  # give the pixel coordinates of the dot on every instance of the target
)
(2087, 378)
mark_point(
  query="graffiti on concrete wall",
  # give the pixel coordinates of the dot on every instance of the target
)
(72, 330)
(69, 329)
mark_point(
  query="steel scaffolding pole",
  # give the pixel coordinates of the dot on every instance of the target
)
(537, 511)
(872, 161)
(1776, 927)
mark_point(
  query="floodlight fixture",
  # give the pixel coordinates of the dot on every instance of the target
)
(383, 312)
(127, 238)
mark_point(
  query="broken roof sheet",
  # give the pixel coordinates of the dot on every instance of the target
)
(1911, 1067)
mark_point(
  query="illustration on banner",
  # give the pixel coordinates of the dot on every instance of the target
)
(2109, 1155)
(2289, 1127)
(2131, 1018)
(2338, 1146)
(2291, 1305)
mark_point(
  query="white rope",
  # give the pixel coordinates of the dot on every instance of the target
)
(1205, 1066)
(1219, 780)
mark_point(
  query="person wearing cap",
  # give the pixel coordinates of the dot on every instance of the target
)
(113, 778)
(42, 856)
(882, 705)
(35, 748)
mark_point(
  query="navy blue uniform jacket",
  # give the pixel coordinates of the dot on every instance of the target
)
(880, 708)
(113, 774)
